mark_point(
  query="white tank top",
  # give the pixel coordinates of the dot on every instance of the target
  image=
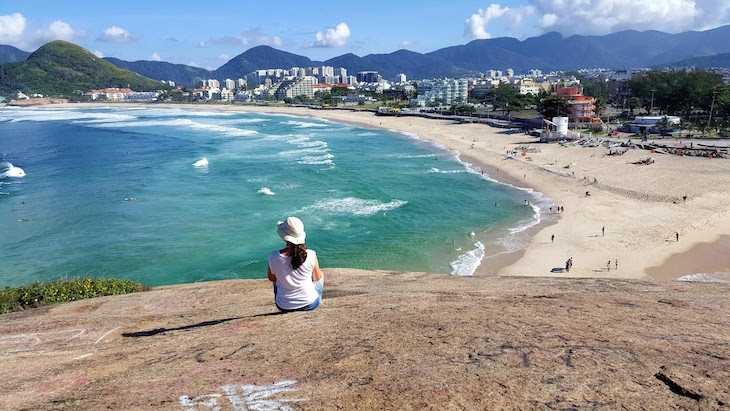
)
(295, 288)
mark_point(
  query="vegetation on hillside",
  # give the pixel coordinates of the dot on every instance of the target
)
(39, 294)
(63, 69)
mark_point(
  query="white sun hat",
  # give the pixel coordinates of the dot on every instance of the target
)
(292, 230)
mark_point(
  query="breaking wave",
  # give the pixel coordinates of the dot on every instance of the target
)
(468, 262)
(7, 169)
(353, 206)
(183, 122)
(706, 278)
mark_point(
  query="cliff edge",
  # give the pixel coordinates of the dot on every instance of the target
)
(380, 340)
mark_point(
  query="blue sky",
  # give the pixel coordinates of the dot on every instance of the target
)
(208, 33)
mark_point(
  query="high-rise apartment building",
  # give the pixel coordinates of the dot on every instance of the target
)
(368, 77)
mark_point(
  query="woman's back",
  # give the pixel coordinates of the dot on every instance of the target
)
(295, 288)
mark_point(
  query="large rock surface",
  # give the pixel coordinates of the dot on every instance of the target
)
(380, 340)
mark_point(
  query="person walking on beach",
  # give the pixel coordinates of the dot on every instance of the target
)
(617, 263)
(603, 231)
(677, 234)
(294, 270)
(552, 239)
(608, 265)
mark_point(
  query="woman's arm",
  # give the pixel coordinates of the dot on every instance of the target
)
(317, 274)
(272, 277)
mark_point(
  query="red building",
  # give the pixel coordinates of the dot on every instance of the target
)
(581, 109)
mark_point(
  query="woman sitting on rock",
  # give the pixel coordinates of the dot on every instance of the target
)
(295, 271)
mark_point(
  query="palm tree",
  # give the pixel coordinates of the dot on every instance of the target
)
(663, 125)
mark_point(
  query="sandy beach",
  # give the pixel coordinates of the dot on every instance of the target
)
(641, 207)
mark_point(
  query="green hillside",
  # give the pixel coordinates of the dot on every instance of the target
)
(60, 68)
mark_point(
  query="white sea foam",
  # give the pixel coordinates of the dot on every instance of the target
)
(7, 169)
(304, 124)
(435, 170)
(313, 144)
(721, 277)
(203, 162)
(325, 159)
(415, 155)
(302, 151)
(265, 190)
(367, 134)
(36, 114)
(468, 262)
(183, 122)
(353, 206)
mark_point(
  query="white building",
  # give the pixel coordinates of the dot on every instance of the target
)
(400, 78)
(447, 92)
(241, 83)
(213, 83)
(295, 86)
(137, 96)
(510, 72)
(527, 87)
(230, 84)
(650, 124)
(227, 94)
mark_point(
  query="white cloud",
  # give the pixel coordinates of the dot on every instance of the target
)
(13, 32)
(253, 37)
(12, 27)
(224, 57)
(333, 37)
(608, 16)
(475, 26)
(408, 43)
(201, 45)
(58, 30)
(99, 54)
(155, 57)
(596, 17)
(548, 20)
(116, 34)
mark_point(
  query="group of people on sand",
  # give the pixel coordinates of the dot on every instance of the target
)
(559, 209)
(568, 264)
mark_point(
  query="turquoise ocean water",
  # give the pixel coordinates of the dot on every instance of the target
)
(115, 192)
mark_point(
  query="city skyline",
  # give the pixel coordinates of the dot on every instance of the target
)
(184, 32)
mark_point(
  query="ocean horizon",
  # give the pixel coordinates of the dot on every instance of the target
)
(166, 196)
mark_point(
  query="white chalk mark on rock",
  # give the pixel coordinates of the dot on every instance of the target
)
(246, 397)
(107, 333)
(206, 400)
(83, 356)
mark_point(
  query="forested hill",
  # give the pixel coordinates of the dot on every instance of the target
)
(60, 68)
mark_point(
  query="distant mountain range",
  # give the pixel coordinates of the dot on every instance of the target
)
(62, 68)
(550, 51)
(10, 54)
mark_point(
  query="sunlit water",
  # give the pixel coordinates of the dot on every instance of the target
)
(169, 196)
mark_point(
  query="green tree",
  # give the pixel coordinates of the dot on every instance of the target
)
(553, 106)
(664, 125)
(506, 98)
(634, 103)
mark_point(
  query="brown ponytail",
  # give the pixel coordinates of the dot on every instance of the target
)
(298, 253)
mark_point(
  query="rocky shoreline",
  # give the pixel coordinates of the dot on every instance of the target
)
(380, 340)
